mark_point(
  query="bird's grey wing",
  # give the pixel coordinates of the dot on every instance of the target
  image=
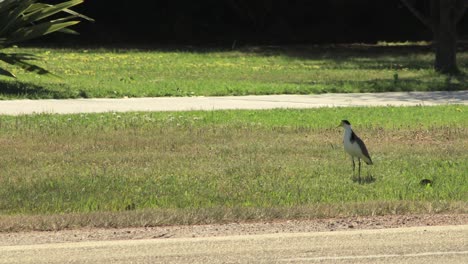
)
(364, 149)
(353, 137)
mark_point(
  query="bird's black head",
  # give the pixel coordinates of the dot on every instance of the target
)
(345, 122)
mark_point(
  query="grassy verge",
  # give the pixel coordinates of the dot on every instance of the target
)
(289, 70)
(131, 169)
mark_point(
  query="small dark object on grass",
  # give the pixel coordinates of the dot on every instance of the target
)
(130, 207)
(426, 182)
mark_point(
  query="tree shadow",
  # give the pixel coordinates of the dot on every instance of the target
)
(353, 56)
(391, 59)
(27, 90)
(451, 83)
(359, 56)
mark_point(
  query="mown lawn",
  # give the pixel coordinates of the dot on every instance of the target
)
(141, 169)
(214, 72)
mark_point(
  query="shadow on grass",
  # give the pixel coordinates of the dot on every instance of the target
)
(457, 83)
(25, 90)
(364, 179)
(370, 57)
(393, 59)
(366, 56)
(361, 56)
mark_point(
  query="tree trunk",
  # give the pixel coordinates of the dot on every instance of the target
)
(442, 20)
(445, 36)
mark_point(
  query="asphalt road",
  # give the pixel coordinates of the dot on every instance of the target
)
(17, 107)
(438, 244)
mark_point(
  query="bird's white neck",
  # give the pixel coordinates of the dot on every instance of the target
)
(348, 132)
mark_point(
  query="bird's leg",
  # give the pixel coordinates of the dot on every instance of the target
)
(354, 165)
(359, 169)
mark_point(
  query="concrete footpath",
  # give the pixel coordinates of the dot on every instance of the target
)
(18, 107)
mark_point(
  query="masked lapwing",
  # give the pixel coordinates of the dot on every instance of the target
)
(355, 147)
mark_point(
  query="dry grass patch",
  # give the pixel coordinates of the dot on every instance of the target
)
(220, 215)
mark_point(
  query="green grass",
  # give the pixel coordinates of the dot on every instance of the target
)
(211, 72)
(197, 167)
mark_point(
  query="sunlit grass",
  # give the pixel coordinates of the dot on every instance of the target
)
(303, 70)
(245, 164)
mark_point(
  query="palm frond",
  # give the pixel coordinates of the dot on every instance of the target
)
(27, 33)
(6, 73)
(23, 20)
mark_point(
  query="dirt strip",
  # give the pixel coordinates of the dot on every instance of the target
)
(292, 226)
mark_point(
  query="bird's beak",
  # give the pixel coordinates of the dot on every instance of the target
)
(339, 125)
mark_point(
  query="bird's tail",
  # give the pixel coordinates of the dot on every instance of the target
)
(368, 160)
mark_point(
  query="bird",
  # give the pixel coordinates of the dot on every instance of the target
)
(355, 147)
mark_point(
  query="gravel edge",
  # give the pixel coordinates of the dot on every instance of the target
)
(231, 229)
